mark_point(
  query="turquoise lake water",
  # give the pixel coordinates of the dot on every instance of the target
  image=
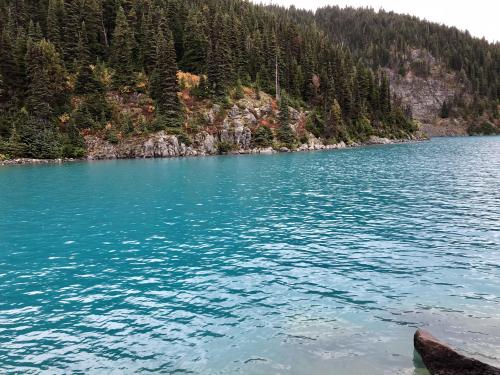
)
(305, 263)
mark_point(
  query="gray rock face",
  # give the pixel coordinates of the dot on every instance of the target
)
(425, 95)
(440, 359)
(374, 140)
(234, 128)
(205, 143)
(158, 145)
(210, 115)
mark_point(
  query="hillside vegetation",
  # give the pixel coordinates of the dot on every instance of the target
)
(112, 69)
(463, 72)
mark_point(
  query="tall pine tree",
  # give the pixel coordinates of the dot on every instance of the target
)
(164, 84)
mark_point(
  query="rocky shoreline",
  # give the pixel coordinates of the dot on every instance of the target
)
(219, 131)
(30, 161)
(179, 150)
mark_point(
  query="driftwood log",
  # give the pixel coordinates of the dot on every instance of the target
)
(440, 359)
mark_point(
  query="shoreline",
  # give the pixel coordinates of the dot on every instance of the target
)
(374, 141)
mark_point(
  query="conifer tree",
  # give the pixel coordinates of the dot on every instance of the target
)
(148, 42)
(258, 86)
(445, 110)
(46, 80)
(164, 84)
(202, 90)
(335, 123)
(72, 18)
(215, 71)
(34, 31)
(195, 44)
(385, 95)
(8, 66)
(3, 89)
(285, 133)
(121, 50)
(46, 97)
(86, 82)
(55, 13)
(92, 15)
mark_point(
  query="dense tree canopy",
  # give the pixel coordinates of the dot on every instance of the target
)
(386, 39)
(60, 57)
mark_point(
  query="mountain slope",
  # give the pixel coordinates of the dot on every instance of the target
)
(67, 67)
(431, 66)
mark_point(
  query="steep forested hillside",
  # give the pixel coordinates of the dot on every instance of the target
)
(61, 59)
(406, 45)
(68, 68)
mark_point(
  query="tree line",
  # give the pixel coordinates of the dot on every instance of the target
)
(61, 57)
(387, 39)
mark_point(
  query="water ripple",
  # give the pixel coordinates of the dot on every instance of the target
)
(287, 264)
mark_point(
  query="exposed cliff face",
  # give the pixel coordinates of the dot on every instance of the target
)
(157, 145)
(233, 126)
(425, 92)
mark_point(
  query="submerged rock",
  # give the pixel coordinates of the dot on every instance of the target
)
(440, 359)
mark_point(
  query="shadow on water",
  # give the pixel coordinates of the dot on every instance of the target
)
(420, 368)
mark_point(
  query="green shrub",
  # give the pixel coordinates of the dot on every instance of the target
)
(262, 137)
(72, 151)
(184, 138)
(286, 136)
(195, 123)
(315, 124)
(361, 129)
(238, 91)
(166, 123)
(485, 128)
(127, 125)
(111, 137)
(223, 147)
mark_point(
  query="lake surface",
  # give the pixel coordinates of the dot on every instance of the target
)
(306, 263)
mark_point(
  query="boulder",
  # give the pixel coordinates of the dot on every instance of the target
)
(209, 145)
(440, 359)
(268, 150)
(249, 117)
(266, 109)
(235, 111)
(294, 114)
(374, 140)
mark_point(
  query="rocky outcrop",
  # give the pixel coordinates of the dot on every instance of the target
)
(226, 129)
(446, 128)
(231, 126)
(440, 359)
(162, 145)
(27, 161)
(157, 145)
(426, 93)
(235, 127)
